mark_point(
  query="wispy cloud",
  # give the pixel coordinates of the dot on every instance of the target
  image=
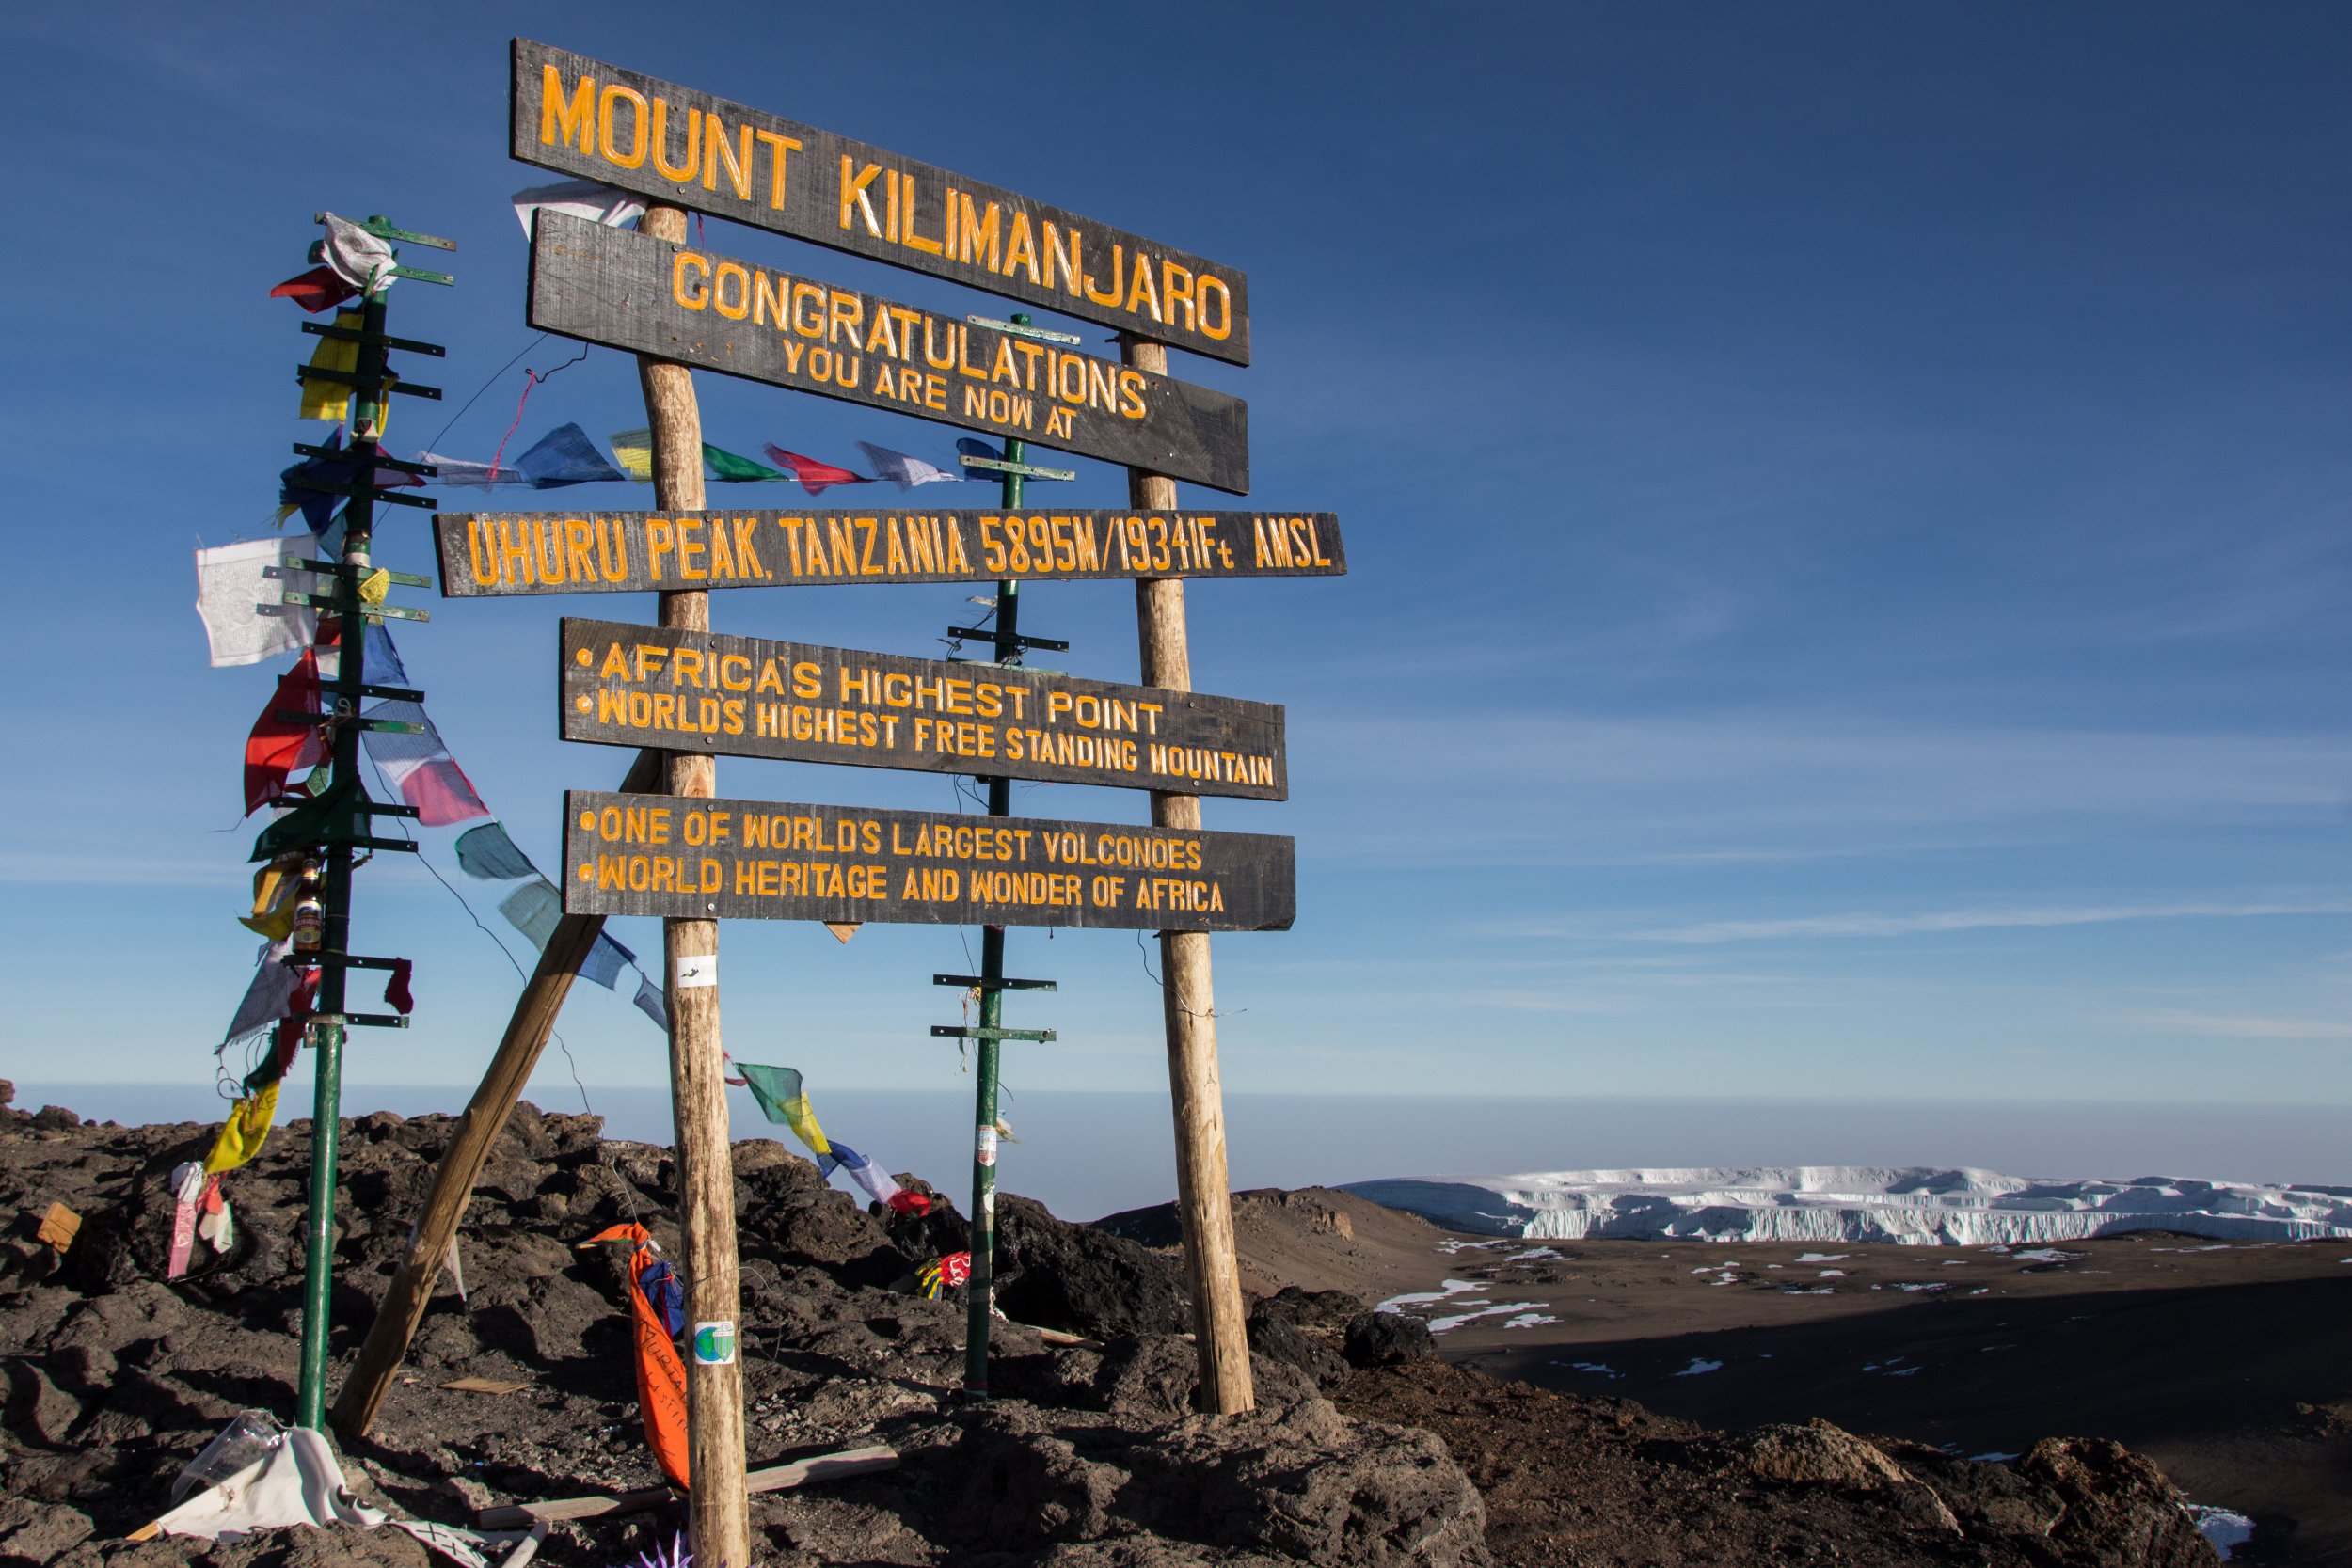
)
(2242, 1027)
(1797, 928)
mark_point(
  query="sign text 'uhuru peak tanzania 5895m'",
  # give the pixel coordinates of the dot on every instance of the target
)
(677, 145)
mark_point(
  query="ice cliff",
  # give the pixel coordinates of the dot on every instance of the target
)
(1917, 1205)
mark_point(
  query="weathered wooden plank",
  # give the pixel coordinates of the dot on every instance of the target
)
(485, 553)
(751, 697)
(699, 307)
(776, 1478)
(673, 143)
(767, 859)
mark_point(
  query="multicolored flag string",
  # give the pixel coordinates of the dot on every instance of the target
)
(633, 450)
(783, 1099)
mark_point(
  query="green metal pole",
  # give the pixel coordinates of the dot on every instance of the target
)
(328, 1030)
(981, 1291)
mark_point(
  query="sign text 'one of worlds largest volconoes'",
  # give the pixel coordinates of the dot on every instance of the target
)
(700, 859)
(674, 144)
(749, 697)
(682, 302)
(627, 552)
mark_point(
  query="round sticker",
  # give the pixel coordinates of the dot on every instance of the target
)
(714, 1344)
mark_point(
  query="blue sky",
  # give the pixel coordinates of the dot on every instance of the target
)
(1847, 508)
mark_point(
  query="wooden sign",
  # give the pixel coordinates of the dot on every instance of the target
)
(729, 860)
(749, 697)
(682, 302)
(675, 145)
(486, 553)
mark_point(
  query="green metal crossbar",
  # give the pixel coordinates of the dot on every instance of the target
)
(966, 1032)
(977, 982)
(353, 335)
(352, 378)
(1021, 329)
(406, 579)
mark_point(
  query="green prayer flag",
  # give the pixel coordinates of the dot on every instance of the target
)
(783, 1101)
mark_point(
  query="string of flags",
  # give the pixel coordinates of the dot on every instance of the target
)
(784, 1101)
(567, 455)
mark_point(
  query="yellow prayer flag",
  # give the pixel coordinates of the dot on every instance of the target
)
(633, 450)
(243, 1133)
(322, 399)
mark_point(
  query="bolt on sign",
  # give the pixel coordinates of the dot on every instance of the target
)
(682, 302)
(584, 117)
(698, 859)
(750, 697)
(485, 553)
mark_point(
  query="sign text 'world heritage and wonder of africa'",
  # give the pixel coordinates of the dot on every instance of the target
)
(682, 302)
(699, 859)
(622, 553)
(675, 145)
(747, 696)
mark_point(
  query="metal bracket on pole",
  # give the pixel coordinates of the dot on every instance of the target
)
(1015, 471)
(975, 982)
(1007, 639)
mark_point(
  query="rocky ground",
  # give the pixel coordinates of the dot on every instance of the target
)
(1362, 1451)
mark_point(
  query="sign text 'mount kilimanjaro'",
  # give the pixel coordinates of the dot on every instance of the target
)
(677, 145)
(683, 858)
(680, 302)
(623, 552)
(750, 697)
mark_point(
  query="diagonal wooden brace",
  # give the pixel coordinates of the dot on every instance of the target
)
(485, 1118)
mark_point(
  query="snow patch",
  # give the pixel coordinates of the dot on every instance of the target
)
(1699, 1367)
(1528, 1320)
(1913, 1206)
(2226, 1530)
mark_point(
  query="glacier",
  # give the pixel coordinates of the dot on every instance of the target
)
(1911, 1206)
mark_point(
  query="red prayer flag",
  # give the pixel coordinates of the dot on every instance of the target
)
(278, 746)
(317, 290)
(815, 477)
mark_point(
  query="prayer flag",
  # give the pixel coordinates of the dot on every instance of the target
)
(650, 1002)
(277, 888)
(323, 398)
(783, 1101)
(266, 999)
(564, 455)
(488, 854)
(533, 908)
(972, 447)
(815, 477)
(242, 1134)
(362, 260)
(422, 769)
(877, 1182)
(727, 468)
(468, 475)
(384, 665)
(605, 961)
(633, 450)
(278, 746)
(581, 199)
(243, 622)
(317, 290)
(904, 471)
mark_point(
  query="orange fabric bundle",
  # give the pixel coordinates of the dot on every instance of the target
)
(660, 1376)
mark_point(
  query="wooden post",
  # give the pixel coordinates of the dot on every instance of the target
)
(718, 1508)
(526, 1037)
(1203, 1194)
